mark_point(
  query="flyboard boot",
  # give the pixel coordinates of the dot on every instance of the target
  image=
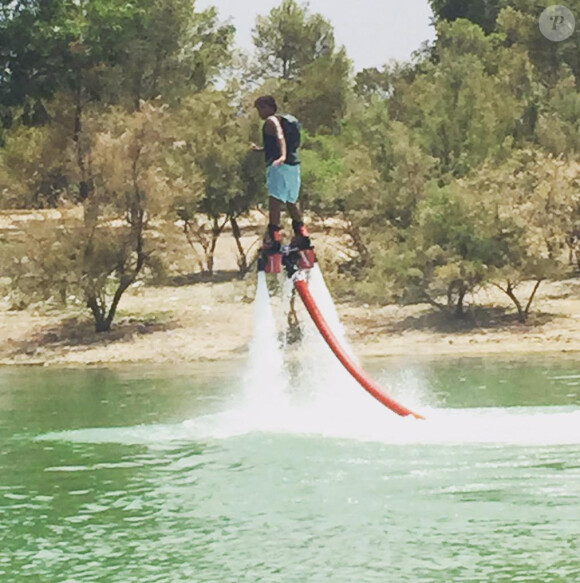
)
(299, 255)
(301, 239)
(302, 245)
(270, 259)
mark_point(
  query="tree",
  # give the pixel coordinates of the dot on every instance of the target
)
(462, 108)
(519, 19)
(448, 251)
(172, 50)
(95, 255)
(253, 191)
(558, 126)
(210, 137)
(105, 50)
(320, 99)
(483, 12)
(296, 59)
(538, 195)
(31, 176)
(289, 38)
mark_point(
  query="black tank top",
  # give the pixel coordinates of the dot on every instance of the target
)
(291, 129)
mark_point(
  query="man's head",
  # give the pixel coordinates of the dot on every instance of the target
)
(266, 106)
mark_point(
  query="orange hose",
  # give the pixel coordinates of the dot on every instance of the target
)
(362, 378)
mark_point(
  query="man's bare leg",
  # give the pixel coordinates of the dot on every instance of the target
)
(272, 238)
(275, 211)
(294, 211)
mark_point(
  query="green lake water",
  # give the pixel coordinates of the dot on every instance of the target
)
(182, 474)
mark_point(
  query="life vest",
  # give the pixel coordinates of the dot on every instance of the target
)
(291, 129)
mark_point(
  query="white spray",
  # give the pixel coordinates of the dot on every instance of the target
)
(265, 382)
(338, 408)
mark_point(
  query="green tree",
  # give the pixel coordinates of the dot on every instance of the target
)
(296, 60)
(449, 250)
(558, 126)
(107, 52)
(340, 182)
(31, 176)
(320, 99)
(289, 38)
(97, 253)
(112, 49)
(519, 19)
(462, 108)
(538, 195)
(211, 140)
(482, 12)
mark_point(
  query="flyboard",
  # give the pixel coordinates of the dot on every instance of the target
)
(297, 262)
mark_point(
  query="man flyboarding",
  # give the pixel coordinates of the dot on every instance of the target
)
(281, 143)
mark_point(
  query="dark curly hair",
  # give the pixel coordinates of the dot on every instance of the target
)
(266, 100)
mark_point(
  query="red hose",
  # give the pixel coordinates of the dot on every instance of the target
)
(363, 378)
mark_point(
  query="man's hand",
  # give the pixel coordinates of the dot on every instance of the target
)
(279, 162)
(256, 148)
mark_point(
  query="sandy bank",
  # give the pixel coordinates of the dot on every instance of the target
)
(215, 322)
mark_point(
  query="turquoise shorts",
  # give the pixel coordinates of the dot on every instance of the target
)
(284, 182)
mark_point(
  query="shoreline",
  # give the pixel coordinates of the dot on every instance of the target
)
(369, 358)
(207, 323)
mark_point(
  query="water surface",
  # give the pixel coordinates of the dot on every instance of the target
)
(186, 474)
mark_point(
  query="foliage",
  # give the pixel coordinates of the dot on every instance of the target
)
(289, 39)
(30, 174)
(463, 108)
(297, 49)
(448, 250)
(483, 12)
(97, 254)
(503, 225)
(210, 140)
(108, 50)
(450, 172)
